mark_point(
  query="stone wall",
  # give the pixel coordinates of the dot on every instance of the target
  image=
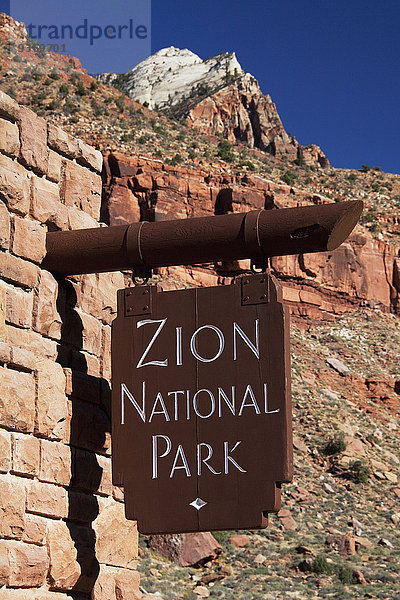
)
(63, 533)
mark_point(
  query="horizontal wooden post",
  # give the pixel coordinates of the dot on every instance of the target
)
(256, 234)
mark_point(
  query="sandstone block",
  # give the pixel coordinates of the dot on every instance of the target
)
(127, 585)
(142, 182)
(104, 588)
(14, 185)
(77, 219)
(12, 506)
(52, 413)
(31, 341)
(46, 206)
(46, 499)
(19, 307)
(96, 294)
(3, 326)
(22, 359)
(116, 537)
(286, 520)
(33, 136)
(106, 354)
(4, 227)
(105, 486)
(116, 584)
(28, 565)
(16, 594)
(9, 138)
(47, 319)
(187, 549)
(239, 540)
(18, 271)
(81, 188)
(91, 333)
(26, 455)
(55, 462)
(62, 142)
(8, 107)
(29, 239)
(89, 156)
(35, 530)
(54, 167)
(4, 565)
(5, 352)
(122, 205)
(73, 562)
(17, 400)
(5, 451)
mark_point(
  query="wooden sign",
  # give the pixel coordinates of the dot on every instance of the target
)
(201, 431)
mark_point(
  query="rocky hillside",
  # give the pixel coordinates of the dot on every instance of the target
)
(215, 96)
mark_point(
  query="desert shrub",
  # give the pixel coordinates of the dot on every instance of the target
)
(345, 574)
(359, 471)
(120, 103)
(64, 89)
(320, 565)
(80, 88)
(175, 160)
(225, 151)
(289, 178)
(335, 445)
(54, 75)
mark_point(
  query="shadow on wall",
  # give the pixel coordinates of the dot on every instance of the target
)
(88, 429)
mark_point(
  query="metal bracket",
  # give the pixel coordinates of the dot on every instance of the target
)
(137, 301)
(255, 289)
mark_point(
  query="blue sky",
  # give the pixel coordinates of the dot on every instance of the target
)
(332, 67)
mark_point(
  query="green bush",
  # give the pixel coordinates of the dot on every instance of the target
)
(64, 89)
(289, 178)
(359, 471)
(80, 88)
(54, 75)
(335, 445)
(225, 151)
(120, 103)
(320, 565)
(345, 574)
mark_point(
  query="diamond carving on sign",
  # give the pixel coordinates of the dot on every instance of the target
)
(198, 503)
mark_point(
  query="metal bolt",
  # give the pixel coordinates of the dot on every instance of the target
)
(263, 297)
(145, 308)
(145, 292)
(246, 298)
(130, 309)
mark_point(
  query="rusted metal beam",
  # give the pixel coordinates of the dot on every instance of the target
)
(256, 234)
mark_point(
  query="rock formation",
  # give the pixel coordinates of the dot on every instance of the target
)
(363, 270)
(216, 97)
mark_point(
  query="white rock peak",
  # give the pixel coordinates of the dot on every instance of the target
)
(170, 75)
